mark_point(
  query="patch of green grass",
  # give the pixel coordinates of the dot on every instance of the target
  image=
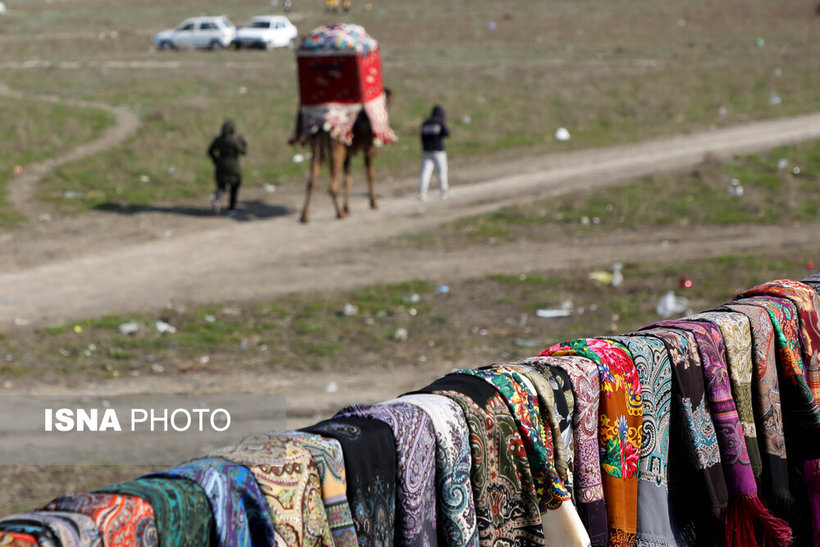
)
(34, 130)
(782, 185)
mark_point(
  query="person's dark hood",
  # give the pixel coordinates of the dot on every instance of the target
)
(438, 113)
(228, 128)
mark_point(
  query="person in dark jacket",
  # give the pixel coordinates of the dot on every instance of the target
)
(224, 152)
(433, 132)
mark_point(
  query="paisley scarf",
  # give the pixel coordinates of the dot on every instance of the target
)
(694, 457)
(329, 460)
(802, 368)
(560, 521)
(120, 519)
(807, 303)
(457, 520)
(651, 359)
(619, 430)
(289, 480)
(586, 385)
(180, 506)
(503, 491)
(58, 527)
(370, 468)
(241, 515)
(737, 340)
(415, 460)
(537, 439)
(774, 479)
(745, 509)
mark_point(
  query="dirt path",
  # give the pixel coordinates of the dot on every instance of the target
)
(21, 189)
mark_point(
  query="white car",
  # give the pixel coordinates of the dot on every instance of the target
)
(266, 31)
(211, 32)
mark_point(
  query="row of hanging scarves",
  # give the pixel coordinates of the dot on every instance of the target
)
(698, 431)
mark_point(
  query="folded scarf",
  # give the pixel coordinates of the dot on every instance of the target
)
(241, 515)
(773, 481)
(537, 439)
(745, 509)
(800, 408)
(545, 392)
(181, 508)
(651, 359)
(27, 533)
(586, 384)
(330, 463)
(812, 281)
(61, 528)
(560, 521)
(120, 519)
(288, 478)
(21, 539)
(737, 340)
(370, 468)
(694, 457)
(503, 491)
(457, 519)
(415, 460)
(564, 406)
(807, 305)
(619, 430)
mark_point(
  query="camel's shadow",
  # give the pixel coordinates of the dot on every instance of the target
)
(247, 210)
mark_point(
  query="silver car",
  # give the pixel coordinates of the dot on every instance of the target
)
(267, 32)
(209, 32)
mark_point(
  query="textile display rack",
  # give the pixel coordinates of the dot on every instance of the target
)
(703, 430)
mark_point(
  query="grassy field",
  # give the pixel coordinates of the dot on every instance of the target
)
(611, 72)
(26, 139)
(508, 76)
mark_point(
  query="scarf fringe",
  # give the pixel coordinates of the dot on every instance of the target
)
(741, 517)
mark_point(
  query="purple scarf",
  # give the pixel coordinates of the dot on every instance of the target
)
(416, 462)
(745, 509)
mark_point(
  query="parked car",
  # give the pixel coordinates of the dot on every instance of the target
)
(266, 31)
(208, 32)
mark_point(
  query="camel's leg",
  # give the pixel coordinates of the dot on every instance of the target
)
(348, 183)
(315, 167)
(369, 155)
(337, 151)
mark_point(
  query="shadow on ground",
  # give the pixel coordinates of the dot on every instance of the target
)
(247, 210)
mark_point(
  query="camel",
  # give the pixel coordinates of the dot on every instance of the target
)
(323, 145)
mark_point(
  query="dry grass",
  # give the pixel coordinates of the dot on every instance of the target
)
(623, 71)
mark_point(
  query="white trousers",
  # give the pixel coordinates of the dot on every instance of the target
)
(430, 161)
